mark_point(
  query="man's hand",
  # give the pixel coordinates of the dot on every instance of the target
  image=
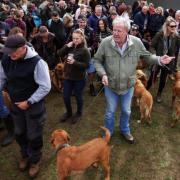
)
(22, 105)
(166, 59)
(105, 80)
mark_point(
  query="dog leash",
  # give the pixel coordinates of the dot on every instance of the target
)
(94, 99)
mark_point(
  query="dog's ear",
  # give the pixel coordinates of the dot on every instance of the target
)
(66, 137)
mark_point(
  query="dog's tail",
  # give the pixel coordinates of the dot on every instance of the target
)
(107, 134)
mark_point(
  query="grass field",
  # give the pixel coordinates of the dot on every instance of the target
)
(154, 156)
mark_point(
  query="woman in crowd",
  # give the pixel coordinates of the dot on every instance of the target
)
(103, 31)
(164, 42)
(78, 58)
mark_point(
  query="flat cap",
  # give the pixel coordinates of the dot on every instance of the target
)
(13, 42)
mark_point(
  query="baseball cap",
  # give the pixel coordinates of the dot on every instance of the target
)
(12, 43)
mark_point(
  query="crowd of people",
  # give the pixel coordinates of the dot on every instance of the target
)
(106, 37)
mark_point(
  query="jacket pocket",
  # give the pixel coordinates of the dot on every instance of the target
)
(131, 81)
(133, 56)
(112, 82)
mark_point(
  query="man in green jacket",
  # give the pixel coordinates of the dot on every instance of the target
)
(116, 61)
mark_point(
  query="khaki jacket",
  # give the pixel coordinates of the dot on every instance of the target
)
(121, 69)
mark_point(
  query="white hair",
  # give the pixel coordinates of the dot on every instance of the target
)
(177, 12)
(122, 20)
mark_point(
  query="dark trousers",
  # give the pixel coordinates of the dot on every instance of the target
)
(29, 130)
(77, 88)
(163, 77)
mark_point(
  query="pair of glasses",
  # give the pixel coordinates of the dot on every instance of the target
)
(173, 26)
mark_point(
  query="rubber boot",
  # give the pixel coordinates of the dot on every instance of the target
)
(92, 90)
(8, 139)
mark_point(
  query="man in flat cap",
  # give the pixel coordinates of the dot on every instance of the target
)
(27, 80)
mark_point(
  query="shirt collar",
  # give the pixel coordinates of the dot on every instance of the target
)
(127, 43)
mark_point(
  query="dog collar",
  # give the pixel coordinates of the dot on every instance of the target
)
(61, 147)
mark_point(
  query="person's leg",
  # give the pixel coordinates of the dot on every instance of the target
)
(125, 111)
(35, 118)
(67, 92)
(20, 135)
(78, 92)
(112, 100)
(9, 124)
(68, 88)
(153, 76)
(162, 82)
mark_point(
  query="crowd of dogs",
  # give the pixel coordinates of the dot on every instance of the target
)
(74, 158)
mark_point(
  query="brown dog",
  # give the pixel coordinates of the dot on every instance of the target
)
(76, 158)
(7, 100)
(141, 76)
(176, 88)
(144, 99)
(177, 114)
(57, 76)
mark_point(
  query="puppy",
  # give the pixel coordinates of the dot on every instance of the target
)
(145, 101)
(177, 114)
(57, 76)
(141, 76)
(176, 88)
(76, 158)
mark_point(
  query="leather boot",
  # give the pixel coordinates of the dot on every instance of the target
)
(76, 118)
(65, 116)
(92, 90)
(8, 139)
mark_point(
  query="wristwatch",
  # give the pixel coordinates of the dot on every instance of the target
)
(29, 103)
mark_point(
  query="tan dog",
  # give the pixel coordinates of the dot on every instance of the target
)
(77, 158)
(7, 100)
(57, 76)
(177, 114)
(141, 76)
(176, 88)
(144, 99)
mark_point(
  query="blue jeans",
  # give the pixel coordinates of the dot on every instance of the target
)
(4, 112)
(113, 99)
(76, 87)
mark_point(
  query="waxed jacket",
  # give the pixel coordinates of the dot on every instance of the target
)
(121, 69)
(159, 45)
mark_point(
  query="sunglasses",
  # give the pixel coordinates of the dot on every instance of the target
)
(173, 26)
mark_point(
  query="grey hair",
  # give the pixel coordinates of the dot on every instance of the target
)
(177, 12)
(122, 20)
